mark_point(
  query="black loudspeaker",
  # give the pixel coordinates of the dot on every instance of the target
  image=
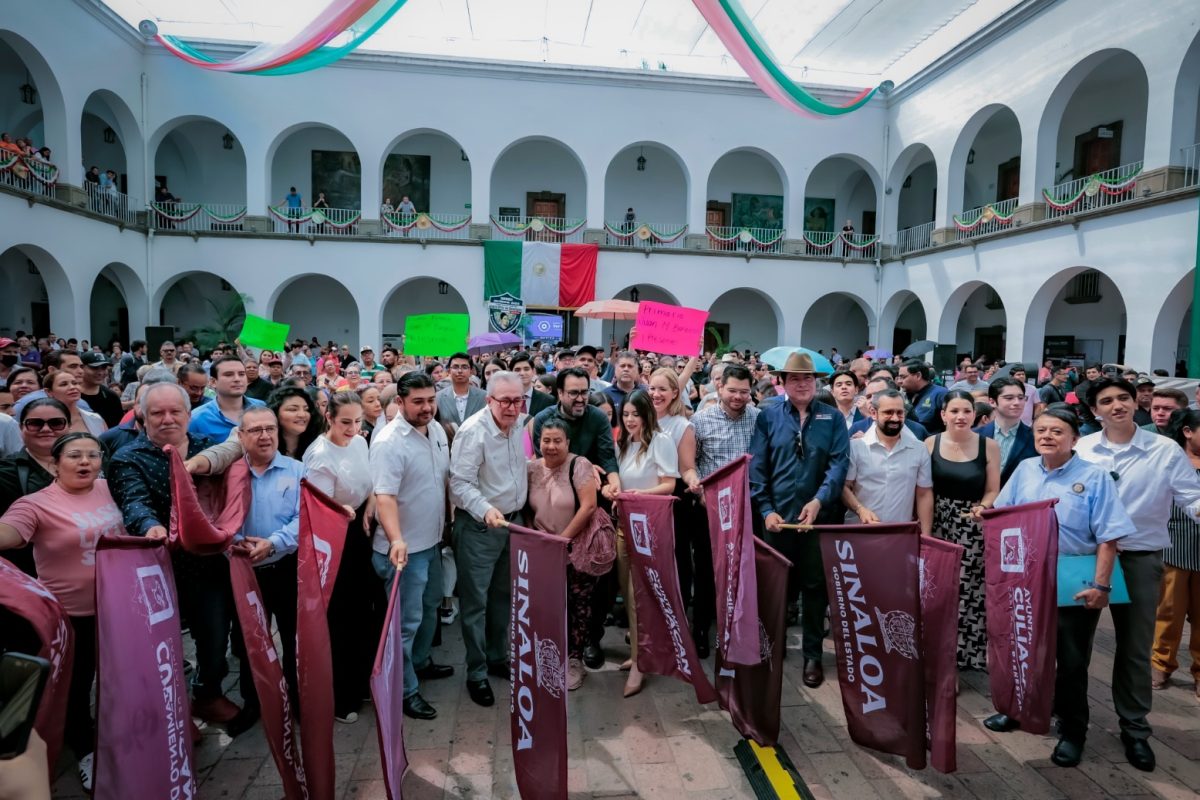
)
(155, 336)
(944, 356)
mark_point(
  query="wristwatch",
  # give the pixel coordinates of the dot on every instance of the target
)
(1101, 587)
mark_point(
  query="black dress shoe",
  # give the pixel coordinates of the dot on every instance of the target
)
(1001, 723)
(499, 670)
(244, 721)
(417, 708)
(432, 672)
(793, 614)
(1138, 753)
(1067, 753)
(814, 673)
(481, 692)
(700, 637)
(593, 656)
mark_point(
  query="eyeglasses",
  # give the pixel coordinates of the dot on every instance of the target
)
(508, 402)
(90, 455)
(55, 425)
(575, 394)
(262, 430)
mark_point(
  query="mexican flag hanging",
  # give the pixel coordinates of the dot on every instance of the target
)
(540, 273)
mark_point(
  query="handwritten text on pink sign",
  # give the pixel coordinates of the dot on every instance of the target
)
(673, 330)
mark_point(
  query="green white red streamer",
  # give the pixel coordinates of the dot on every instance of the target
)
(745, 236)
(741, 38)
(316, 216)
(1091, 187)
(834, 238)
(986, 214)
(41, 171)
(645, 232)
(538, 225)
(183, 213)
(407, 222)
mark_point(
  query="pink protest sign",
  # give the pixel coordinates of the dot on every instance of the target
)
(673, 330)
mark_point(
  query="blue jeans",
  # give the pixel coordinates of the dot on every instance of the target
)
(420, 595)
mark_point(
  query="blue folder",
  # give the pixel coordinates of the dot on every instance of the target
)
(1076, 572)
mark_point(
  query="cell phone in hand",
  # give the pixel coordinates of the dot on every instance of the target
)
(22, 681)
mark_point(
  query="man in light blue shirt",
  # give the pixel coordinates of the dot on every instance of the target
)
(217, 418)
(269, 537)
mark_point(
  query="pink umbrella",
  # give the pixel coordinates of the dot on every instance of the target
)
(608, 309)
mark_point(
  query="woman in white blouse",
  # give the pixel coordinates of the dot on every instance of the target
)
(337, 463)
(648, 464)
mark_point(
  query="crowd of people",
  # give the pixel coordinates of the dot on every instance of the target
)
(435, 457)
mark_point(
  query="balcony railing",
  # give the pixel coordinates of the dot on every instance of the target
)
(426, 226)
(111, 203)
(985, 219)
(1191, 165)
(538, 229)
(196, 216)
(841, 245)
(27, 174)
(745, 240)
(644, 235)
(1109, 188)
(912, 239)
(315, 221)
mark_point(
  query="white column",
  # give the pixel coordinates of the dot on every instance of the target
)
(594, 213)
(1160, 117)
(793, 201)
(258, 180)
(65, 141)
(698, 195)
(371, 186)
(481, 188)
(1139, 343)
(949, 193)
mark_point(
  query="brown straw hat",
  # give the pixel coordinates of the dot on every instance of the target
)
(800, 363)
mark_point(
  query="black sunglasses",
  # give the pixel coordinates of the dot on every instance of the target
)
(55, 425)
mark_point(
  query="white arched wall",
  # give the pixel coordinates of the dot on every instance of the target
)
(992, 147)
(104, 107)
(617, 329)
(851, 182)
(754, 320)
(908, 162)
(536, 164)
(289, 163)
(66, 293)
(192, 300)
(903, 309)
(749, 170)
(1185, 117)
(838, 319)
(658, 195)
(1046, 315)
(316, 305)
(449, 175)
(189, 153)
(60, 135)
(117, 285)
(1168, 327)
(419, 295)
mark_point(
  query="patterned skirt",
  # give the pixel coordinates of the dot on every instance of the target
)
(951, 523)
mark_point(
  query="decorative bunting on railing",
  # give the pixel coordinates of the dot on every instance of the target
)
(865, 244)
(987, 214)
(182, 213)
(315, 216)
(309, 49)
(645, 232)
(42, 171)
(741, 38)
(537, 225)
(406, 222)
(744, 236)
(1091, 187)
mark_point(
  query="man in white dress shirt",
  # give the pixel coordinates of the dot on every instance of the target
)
(889, 468)
(489, 485)
(1152, 475)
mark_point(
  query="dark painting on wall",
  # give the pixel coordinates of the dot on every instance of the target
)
(407, 175)
(339, 175)
(819, 214)
(757, 211)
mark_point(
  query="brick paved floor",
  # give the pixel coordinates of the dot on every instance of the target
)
(661, 744)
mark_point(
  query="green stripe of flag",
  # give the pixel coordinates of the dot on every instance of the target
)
(502, 268)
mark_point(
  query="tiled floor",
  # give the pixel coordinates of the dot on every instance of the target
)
(661, 744)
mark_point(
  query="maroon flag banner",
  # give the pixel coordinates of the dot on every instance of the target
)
(1020, 557)
(752, 695)
(727, 498)
(206, 512)
(322, 538)
(267, 672)
(143, 718)
(872, 577)
(33, 602)
(940, 565)
(538, 655)
(387, 692)
(665, 645)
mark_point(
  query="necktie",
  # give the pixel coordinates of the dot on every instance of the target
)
(524, 404)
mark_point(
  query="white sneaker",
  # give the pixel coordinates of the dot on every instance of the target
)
(349, 719)
(448, 615)
(85, 771)
(575, 674)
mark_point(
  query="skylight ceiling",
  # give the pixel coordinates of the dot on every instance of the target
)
(836, 42)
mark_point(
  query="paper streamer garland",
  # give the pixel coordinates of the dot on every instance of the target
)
(1091, 187)
(41, 171)
(315, 216)
(537, 225)
(741, 38)
(839, 236)
(744, 236)
(987, 214)
(406, 222)
(358, 19)
(645, 232)
(182, 213)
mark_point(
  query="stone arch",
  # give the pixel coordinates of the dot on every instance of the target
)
(1174, 311)
(898, 314)
(347, 192)
(763, 183)
(449, 185)
(854, 184)
(651, 192)
(987, 117)
(195, 299)
(31, 275)
(1085, 321)
(740, 310)
(116, 288)
(617, 329)
(1185, 120)
(195, 141)
(108, 108)
(835, 320)
(910, 159)
(510, 184)
(53, 104)
(315, 305)
(1048, 131)
(418, 295)
(955, 306)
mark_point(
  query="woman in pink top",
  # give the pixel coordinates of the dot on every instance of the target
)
(63, 523)
(554, 486)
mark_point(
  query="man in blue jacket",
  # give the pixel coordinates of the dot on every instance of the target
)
(1014, 437)
(800, 455)
(916, 379)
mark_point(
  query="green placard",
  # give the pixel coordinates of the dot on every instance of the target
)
(436, 334)
(263, 333)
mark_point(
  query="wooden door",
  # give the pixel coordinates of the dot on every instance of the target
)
(868, 224)
(716, 215)
(39, 318)
(547, 208)
(1008, 180)
(1095, 153)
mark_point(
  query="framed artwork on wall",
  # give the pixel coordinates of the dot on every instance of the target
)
(339, 175)
(819, 215)
(757, 211)
(407, 175)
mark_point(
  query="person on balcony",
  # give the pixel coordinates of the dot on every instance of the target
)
(406, 207)
(847, 234)
(630, 220)
(387, 207)
(294, 202)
